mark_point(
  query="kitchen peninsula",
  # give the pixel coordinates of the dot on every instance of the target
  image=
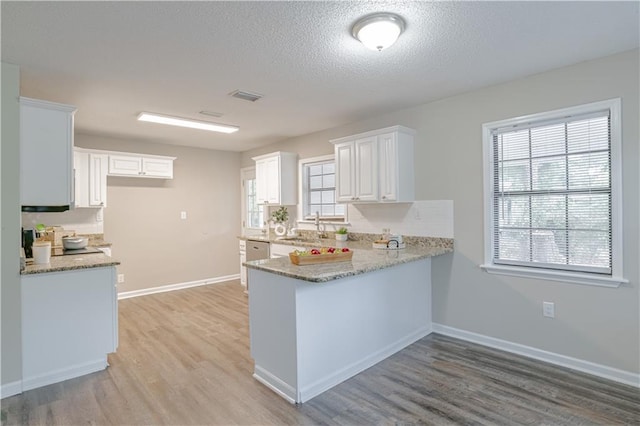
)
(314, 326)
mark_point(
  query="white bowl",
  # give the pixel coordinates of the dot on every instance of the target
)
(74, 243)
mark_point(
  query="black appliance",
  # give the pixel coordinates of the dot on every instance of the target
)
(28, 237)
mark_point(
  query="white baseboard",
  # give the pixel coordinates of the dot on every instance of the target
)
(179, 286)
(308, 391)
(314, 389)
(63, 374)
(588, 367)
(275, 384)
(10, 389)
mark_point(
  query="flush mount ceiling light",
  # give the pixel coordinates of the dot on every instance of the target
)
(378, 31)
(184, 122)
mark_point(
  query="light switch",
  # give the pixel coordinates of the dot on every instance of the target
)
(183, 215)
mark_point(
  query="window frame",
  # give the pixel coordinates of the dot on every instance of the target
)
(247, 173)
(302, 192)
(598, 279)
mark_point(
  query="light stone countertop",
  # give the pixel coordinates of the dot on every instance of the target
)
(71, 262)
(365, 259)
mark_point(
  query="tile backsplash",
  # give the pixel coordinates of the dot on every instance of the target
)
(83, 221)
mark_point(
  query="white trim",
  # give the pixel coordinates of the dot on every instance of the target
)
(314, 389)
(178, 286)
(599, 370)
(64, 374)
(555, 275)
(275, 384)
(616, 278)
(300, 210)
(10, 389)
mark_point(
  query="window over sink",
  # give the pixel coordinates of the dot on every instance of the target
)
(318, 190)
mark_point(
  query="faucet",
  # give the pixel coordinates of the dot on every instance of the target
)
(319, 231)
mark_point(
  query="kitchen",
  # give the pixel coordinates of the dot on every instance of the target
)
(144, 215)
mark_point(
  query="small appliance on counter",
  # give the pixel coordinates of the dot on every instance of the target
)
(28, 237)
(389, 242)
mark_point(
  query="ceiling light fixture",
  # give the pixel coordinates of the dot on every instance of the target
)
(378, 31)
(184, 122)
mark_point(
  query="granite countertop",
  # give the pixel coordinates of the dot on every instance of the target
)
(71, 262)
(365, 259)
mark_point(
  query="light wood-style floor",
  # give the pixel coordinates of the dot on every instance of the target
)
(184, 359)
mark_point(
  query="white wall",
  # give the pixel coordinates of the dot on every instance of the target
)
(142, 217)
(11, 369)
(595, 324)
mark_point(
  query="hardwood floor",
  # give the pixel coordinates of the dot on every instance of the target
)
(184, 359)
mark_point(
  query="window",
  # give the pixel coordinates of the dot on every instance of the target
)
(553, 196)
(318, 184)
(252, 211)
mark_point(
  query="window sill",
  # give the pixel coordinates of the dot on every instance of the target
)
(547, 274)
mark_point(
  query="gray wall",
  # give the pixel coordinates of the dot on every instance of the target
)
(596, 324)
(10, 218)
(142, 217)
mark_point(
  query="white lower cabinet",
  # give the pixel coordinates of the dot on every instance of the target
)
(69, 324)
(243, 259)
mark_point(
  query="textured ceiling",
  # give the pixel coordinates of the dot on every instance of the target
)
(115, 59)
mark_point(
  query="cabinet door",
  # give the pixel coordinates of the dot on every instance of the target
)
(157, 167)
(345, 172)
(125, 165)
(272, 166)
(98, 164)
(388, 160)
(367, 169)
(46, 154)
(81, 177)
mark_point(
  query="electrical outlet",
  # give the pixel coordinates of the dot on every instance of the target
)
(549, 309)
(183, 215)
(120, 278)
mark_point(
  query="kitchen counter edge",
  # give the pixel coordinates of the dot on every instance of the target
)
(364, 260)
(71, 263)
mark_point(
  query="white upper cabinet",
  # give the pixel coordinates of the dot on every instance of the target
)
(46, 155)
(98, 167)
(375, 166)
(139, 165)
(91, 178)
(276, 178)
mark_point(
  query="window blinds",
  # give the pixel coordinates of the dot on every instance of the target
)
(552, 194)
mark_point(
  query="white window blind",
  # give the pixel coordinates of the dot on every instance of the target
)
(319, 182)
(552, 194)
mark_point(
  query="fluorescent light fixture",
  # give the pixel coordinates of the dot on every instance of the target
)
(378, 31)
(184, 122)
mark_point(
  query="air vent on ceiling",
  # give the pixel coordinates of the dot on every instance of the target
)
(212, 114)
(246, 96)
